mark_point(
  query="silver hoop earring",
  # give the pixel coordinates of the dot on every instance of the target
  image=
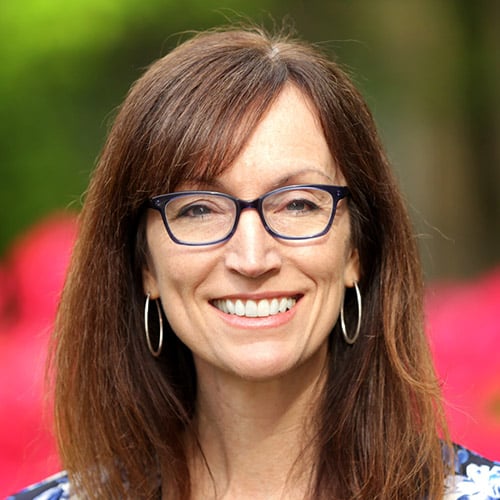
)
(351, 340)
(146, 327)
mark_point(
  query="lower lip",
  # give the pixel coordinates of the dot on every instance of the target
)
(244, 322)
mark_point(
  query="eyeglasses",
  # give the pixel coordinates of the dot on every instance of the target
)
(296, 212)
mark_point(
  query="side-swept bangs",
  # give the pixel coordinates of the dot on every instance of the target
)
(194, 110)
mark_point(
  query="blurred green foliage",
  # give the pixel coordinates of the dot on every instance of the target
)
(65, 67)
(429, 69)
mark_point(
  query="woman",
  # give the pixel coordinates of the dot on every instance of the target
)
(243, 314)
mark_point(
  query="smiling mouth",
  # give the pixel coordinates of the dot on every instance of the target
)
(255, 308)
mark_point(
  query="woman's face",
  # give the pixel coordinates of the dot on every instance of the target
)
(193, 283)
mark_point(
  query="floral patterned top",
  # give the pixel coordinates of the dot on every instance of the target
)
(476, 478)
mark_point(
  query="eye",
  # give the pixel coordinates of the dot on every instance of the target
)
(197, 208)
(194, 211)
(301, 205)
(297, 203)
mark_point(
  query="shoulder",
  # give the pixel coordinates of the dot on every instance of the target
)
(475, 477)
(53, 488)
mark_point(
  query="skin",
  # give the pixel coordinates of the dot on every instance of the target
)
(257, 376)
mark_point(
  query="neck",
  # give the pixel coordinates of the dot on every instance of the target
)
(252, 433)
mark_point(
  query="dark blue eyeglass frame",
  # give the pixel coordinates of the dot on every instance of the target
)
(337, 192)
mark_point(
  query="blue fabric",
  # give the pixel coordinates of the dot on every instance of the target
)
(476, 478)
(53, 488)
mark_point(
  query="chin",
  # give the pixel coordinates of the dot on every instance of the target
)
(265, 367)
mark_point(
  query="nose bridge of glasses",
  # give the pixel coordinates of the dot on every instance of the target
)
(247, 204)
(250, 204)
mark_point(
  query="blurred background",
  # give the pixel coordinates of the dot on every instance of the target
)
(430, 71)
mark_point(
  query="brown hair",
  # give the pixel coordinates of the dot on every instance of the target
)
(120, 413)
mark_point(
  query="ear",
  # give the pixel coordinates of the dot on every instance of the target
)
(352, 271)
(149, 283)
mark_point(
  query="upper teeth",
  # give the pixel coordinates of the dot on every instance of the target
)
(253, 309)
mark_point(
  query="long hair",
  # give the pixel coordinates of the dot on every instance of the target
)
(120, 413)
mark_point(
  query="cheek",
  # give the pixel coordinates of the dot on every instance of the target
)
(180, 274)
(175, 284)
(167, 263)
(175, 274)
(326, 262)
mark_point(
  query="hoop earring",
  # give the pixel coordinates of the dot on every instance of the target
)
(351, 340)
(146, 327)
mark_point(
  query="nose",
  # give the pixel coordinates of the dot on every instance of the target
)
(252, 251)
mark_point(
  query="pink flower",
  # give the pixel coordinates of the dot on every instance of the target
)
(464, 328)
(32, 278)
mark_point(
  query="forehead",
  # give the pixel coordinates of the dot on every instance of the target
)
(288, 146)
(290, 131)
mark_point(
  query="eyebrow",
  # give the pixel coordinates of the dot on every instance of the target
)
(287, 179)
(290, 176)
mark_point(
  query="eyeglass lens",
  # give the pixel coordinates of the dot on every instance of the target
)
(208, 217)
